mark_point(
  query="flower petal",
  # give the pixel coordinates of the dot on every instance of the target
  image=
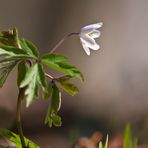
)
(94, 34)
(89, 42)
(86, 49)
(93, 26)
(86, 31)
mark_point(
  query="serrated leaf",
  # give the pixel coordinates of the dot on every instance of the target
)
(59, 63)
(30, 81)
(68, 87)
(21, 72)
(42, 78)
(5, 72)
(29, 47)
(55, 98)
(14, 138)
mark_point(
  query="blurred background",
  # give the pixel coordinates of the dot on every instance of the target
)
(115, 90)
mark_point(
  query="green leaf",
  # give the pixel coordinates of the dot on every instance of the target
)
(55, 58)
(106, 142)
(100, 144)
(48, 91)
(5, 72)
(68, 87)
(12, 51)
(56, 98)
(29, 47)
(8, 37)
(42, 78)
(59, 63)
(52, 118)
(30, 81)
(14, 138)
(21, 72)
(127, 137)
(4, 63)
(56, 120)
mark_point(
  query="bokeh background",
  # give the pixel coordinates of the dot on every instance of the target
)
(115, 90)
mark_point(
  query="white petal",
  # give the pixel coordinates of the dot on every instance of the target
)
(93, 26)
(86, 31)
(86, 49)
(95, 34)
(90, 42)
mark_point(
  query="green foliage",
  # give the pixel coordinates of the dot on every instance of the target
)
(32, 78)
(100, 144)
(29, 47)
(14, 138)
(12, 51)
(67, 86)
(22, 69)
(52, 118)
(59, 63)
(9, 37)
(31, 75)
(106, 143)
(41, 78)
(5, 72)
(30, 81)
(56, 98)
(128, 142)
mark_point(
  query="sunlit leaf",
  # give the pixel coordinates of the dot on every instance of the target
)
(106, 142)
(12, 51)
(42, 78)
(100, 144)
(29, 47)
(14, 138)
(30, 81)
(59, 63)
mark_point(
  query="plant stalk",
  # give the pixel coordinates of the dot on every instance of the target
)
(18, 117)
(62, 40)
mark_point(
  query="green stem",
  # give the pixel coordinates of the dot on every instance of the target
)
(18, 117)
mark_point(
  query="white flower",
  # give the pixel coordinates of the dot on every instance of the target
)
(88, 35)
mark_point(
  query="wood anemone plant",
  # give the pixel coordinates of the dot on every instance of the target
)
(32, 79)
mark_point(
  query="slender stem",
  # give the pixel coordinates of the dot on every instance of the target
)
(49, 76)
(19, 99)
(62, 40)
(18, 117)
